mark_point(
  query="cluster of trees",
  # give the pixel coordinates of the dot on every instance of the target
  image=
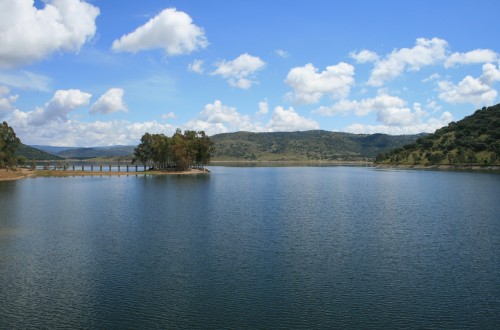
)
(9, 143)
(181, 151)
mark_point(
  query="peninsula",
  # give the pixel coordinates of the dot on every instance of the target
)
(181, 154)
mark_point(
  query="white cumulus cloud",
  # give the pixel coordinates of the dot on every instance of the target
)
(425, 52)
(364, 56)
(433, 77)
(29, 34)
(52, 125)
(57, 109)
(76, 133)
(196, 66)
(400, 116)
(65, 101)
(109, 102)
(381, 103)
(241, 71)
(477, 91)
(491, 74)
(281, 53)
(429, 126)
(219, 118)
(171, 30)
(263, 108)
(288, 120)
(392, 112)
(309, 85)
(433, 106)
(472, 57)
(6, 99)
(169, 115)
(469, 90)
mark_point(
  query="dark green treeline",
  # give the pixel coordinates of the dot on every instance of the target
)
(181, 151)
(8, 146)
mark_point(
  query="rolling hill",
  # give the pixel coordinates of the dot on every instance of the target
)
(113, 151)
(91, 152)
(283, 146)
(304, 146)
(474, 140)
(32, 153)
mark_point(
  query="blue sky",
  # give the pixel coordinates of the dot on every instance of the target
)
(104, 72)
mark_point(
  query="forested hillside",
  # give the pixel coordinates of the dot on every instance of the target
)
(113, 151)
(474, 140)
(304, 146)
(247, 146)
(33, 153)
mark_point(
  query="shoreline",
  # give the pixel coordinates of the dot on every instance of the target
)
(292, 162)
(25, 173)
(466, 168)
(279, 163)
(15, 175)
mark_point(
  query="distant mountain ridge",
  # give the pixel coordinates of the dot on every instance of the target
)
(304, 145)
(113, 151)
(90, 152)
(30, 153)
(474, 140)
(290, 146)
(50, 149)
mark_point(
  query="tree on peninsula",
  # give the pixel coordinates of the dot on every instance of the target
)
(8, 146)
(181, 151)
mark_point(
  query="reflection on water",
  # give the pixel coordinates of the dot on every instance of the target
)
(252, 247)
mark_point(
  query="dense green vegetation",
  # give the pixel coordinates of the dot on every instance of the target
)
(474, 140)
(82, 153)
(107, 152)
(304, 146)
(9, 143)
(30, 153)
(181, 151)
(246, 146)
(13, 152)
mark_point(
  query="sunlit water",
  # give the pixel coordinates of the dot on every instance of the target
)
(289, 247)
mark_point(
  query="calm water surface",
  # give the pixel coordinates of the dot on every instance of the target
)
(290, 247)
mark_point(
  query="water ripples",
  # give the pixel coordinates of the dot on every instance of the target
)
(252, 248)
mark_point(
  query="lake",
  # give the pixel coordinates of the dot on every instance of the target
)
(252, 247)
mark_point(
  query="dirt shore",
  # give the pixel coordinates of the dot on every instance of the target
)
(15, 175)
(25, 173)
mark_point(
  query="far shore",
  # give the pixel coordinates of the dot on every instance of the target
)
(494, 168)
(293, 162)
(474, 168)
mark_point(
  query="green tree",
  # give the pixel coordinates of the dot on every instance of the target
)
(204, 149)
(21, 161)
(381, 157)
(181, 151)
(8, 145)
(144, 151)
